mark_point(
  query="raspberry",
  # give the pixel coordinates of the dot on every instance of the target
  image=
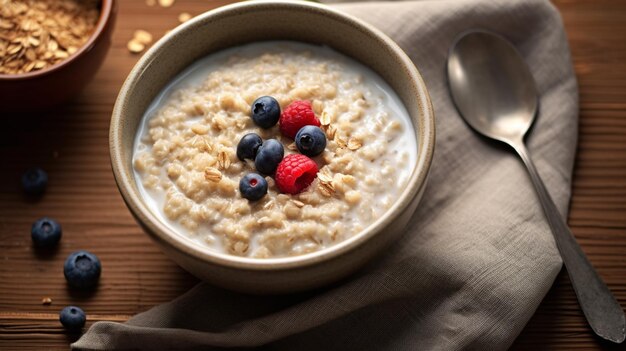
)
(297, 115)
(295, 173)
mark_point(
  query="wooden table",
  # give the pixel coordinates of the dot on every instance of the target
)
(72, 145)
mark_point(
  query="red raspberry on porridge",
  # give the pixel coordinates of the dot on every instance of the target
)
(297, 115)
(295, 173)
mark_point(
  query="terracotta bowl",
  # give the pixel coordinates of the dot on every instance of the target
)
(56, 84)
(246, 22)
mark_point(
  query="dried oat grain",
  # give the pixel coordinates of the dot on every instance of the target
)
(36, 34)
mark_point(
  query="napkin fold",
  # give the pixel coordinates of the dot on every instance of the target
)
(478, 256)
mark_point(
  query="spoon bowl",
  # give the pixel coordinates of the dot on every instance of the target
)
(492, 86)
(495, 93)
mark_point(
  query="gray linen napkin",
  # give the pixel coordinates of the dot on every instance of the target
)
(478, 256)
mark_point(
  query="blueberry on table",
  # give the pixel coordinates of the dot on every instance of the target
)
(73, 318)
(34, 181)
(265, 111)
(311, 140)
(253, 186)
(45, 232)
(268, 156)
(248, 146)
(82, 269)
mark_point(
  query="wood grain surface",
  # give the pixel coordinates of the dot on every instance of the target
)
(71, 143)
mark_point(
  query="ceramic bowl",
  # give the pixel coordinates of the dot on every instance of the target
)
(246, 22)
(56, 84)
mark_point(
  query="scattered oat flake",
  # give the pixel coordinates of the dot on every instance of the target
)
(166, 3)
(324, 178)
(325, 118)
(325, 190)
(61, 54)
(324, 170)
(46, 301)
(207, 146)
(331, 131)
(5, 24)
(29, 67)
(292, 147)
(212, 174)
(223, 160)
(30, 55)
(33, 41)
(53, 45)
(184, 17)
(329, 185)
(354, 144)
(298, 203)
(194, 140)
(143, 36)
(14, 49)
(340, 141)
(135, 46)
(200, 141)
(200, 129)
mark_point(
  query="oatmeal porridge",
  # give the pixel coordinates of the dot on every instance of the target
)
(186, 152)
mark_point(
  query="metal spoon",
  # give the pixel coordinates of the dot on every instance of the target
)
(495, 93)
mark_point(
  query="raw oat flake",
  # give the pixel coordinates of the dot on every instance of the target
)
(36, 34)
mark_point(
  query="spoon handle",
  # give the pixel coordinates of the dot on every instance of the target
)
(604, 314)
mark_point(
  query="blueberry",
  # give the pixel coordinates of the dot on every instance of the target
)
(34, 181)
(253, 186)
(73, 318)
(269, 156)
(311, 140)
(265, 111)
(248, 146)
(45, 232)
(82, 269)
